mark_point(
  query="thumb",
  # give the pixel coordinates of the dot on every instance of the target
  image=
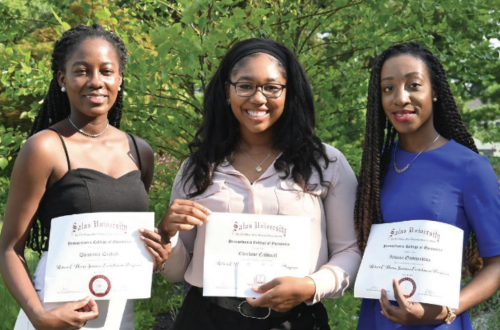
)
(81, 303)
(266, 286)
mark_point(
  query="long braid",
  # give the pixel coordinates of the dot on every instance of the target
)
(377, 150)
(56, 106)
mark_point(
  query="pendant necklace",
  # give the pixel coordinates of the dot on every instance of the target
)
(259, 167)
(399, 171)
(81, 131)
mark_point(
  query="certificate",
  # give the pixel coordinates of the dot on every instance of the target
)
(98, 255)
(424, 256)
(244, 250)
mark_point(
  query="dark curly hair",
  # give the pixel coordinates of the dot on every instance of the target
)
(56, 107)
(380, 140)
(293, 132)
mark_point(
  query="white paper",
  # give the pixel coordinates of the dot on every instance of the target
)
(424, 256)
(98, 255)
(244, 250)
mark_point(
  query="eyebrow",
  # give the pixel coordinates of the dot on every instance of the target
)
(414, 73)
(252, 78)
(86, 63)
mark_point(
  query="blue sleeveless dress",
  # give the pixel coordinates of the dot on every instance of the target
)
(450, 184)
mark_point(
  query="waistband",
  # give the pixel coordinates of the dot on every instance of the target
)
(240, 305)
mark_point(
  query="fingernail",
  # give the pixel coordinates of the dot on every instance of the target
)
(142, 238)
(141, 230)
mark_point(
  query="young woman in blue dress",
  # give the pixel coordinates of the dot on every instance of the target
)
(76, 160)
(432, 171)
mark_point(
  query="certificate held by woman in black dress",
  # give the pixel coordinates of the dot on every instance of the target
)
(99, 255)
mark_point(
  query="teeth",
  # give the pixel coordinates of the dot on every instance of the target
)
(95, 97)
(256, 113)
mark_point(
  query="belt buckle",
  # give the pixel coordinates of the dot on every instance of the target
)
(240, 309)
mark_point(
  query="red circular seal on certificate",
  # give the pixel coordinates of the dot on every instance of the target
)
(100, 286)
(408, 285)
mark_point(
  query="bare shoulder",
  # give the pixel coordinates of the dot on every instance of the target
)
(40, 150)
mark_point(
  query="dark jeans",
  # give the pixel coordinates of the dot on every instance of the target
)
(198, 313)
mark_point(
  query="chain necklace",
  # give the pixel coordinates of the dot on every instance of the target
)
(399, 171)
(81, 131)
(259, 167)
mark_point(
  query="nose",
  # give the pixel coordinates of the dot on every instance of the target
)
(401, 96)
(258, 97)
(95, 80)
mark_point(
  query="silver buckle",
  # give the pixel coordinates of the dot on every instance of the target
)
(253, 317)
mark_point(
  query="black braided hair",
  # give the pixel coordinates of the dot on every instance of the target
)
(380, 136)
(56, 106)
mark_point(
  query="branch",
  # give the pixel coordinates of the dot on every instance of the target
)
(319, 14)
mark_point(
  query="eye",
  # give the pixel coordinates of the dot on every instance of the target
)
(415, 85)
(107, 71)
(80, 71)
(272, 88)
(245, 86)
(387, 88)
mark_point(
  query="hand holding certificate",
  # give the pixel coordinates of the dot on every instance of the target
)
(245, 250)
(99, 255)
(424, 256)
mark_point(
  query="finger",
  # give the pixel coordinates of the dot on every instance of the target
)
(200, 207)
(398, 294)
(385, 304)
(183, 218)
(266, 286)
(80, 303)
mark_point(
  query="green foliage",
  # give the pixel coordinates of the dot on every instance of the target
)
(343, 313)
(165, 298)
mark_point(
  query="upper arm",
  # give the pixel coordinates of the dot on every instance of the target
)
(33, 167)
(339, 206)
(481, 198)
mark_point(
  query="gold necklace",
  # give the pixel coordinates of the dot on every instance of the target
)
(399, 171)
(259, 166)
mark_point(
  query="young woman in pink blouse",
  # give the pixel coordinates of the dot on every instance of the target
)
(256, 152)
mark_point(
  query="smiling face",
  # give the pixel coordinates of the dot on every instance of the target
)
(257, 114)
(92, 77)
(406, 93)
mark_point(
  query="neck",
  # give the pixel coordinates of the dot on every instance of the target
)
(418, 140)
(256, 143)
(90, 125)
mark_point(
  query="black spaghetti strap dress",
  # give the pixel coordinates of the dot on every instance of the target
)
(84, 190)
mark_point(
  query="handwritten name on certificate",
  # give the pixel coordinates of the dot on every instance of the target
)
(424, 256)
(98, 255)
(244, 250)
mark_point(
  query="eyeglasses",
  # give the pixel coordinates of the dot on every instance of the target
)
(247, 89)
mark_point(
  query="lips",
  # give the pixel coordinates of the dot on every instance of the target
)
(96, 98)
(403, 115)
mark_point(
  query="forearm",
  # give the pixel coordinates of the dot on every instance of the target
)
(484, 284)
(16, 277)
(177, 262)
